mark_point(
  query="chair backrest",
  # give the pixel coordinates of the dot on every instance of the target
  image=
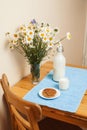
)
(24, 115)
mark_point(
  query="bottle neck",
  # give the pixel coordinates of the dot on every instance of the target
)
(60, 48)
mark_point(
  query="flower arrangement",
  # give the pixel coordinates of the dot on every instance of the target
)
(34, 41)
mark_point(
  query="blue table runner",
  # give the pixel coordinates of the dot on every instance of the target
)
(70, 99)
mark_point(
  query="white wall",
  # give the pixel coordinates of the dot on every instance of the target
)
(68, 15)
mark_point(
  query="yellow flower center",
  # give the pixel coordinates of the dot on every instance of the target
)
(15, 35)
(50, 38)
(51, 44)
(29, 39)
(25, 34)
(11, 41)
(21, 28)
(42, 34)
(11, 47)
(45, 38)
(30, 33)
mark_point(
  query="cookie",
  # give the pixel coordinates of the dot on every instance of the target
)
(49, 92)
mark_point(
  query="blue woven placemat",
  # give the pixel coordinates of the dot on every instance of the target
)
(69, 99)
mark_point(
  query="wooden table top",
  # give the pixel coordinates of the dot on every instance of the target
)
(78, 118)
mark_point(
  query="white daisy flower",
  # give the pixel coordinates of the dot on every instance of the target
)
(50, 38)
(14, 42)
(45, 39)
(15, 36)
(42, 34)
(22, 28)
(30, 33)
(50, 45)
(31, 26)
(11, 47)
(28, 40)
(68, 36)
(48, 30)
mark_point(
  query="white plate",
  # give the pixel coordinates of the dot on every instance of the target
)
(56, 95)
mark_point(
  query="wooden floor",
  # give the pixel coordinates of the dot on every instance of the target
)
(51, 124)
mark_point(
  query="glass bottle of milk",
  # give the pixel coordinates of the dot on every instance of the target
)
(59, 64)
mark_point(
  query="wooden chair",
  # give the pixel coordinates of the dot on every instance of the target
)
(24, 115)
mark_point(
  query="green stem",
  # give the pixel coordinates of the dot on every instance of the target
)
(19, 50)
(60, 40)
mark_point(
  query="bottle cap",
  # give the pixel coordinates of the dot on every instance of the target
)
(60, 48)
